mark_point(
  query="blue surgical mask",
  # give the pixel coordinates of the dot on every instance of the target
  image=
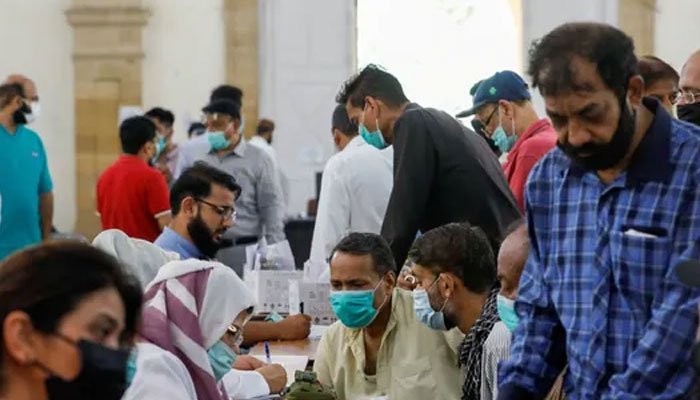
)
(375, 138)
(218, 141)
(241, 128)
(424, 311)
(355, 308)
(221, 357)
(160, 147)
(506, 311)
(131, 367)
(501, 138)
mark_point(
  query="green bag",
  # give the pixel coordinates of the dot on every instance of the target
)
(307, 387)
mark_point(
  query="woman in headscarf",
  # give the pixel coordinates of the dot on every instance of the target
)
(192, 309)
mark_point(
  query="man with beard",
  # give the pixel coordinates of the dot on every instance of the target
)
(203, 203)
(26, 197)
(609, 215)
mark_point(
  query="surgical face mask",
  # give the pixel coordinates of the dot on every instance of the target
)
(506, 312)
(504, 142)
(160, 147)
(35, 111)
(241, 128)
(218, 141)
(102, 375)
(425, 312)
(375, 138)
(355, 308)
(221, 357)
(607, 155)
(689, 113)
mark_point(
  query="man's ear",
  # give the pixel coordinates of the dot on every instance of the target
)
(390, 279)
(188, 205)
(447, 285)
(17, 331)
(635, 90)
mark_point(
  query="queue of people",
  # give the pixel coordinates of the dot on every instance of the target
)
(549, 275)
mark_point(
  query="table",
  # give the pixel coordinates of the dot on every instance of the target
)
(305, 347)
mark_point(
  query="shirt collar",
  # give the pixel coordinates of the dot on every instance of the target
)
(651, 161)
(173, 241)
(130, 158)
(357, 141)
(531, 131)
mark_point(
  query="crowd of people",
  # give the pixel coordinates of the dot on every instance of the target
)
(527, 258)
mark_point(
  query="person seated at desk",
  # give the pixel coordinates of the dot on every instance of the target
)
(193, 312)
(203, 203)
(455, 275)
(379, 347)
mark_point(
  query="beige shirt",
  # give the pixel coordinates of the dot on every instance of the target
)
(414, 361)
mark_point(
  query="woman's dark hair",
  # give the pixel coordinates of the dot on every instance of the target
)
(49, 281)
(610, 49)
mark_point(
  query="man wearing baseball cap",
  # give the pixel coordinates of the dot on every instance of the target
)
(503, 110)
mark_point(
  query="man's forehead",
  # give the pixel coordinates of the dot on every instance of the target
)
(355, 265)
(690, 75)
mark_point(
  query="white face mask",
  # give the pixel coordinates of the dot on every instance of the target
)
(36, 110)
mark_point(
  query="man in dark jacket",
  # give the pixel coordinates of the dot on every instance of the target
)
(443, 172)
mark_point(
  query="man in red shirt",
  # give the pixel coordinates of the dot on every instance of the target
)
(502, 106)
(132, 196)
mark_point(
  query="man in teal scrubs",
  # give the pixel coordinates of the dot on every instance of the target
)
(26, 198)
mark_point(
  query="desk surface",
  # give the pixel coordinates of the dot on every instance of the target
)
(306, 347)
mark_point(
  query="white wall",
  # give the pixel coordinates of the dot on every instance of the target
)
(677, 32)
(306, 52)
(37, 41)
(184, 43)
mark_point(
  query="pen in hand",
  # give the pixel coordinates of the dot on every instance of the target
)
(267, 352)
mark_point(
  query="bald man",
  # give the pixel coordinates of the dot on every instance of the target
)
(511, 262)
(30, 93)
(689, 104)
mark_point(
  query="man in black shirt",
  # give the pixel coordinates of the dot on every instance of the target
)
(443, 172)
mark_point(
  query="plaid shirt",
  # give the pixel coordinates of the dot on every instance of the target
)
(599, 288)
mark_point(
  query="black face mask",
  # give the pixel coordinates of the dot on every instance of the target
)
(480, 130)
(203, 237)
(604, 156)
(102, 375)
(689, 113)
(18, 117)
(696, 357)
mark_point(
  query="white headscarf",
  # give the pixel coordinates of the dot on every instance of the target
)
(143, 258)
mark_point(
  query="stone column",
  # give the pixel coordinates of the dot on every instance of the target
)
(107, 65)
(638, 19)
(241, 42)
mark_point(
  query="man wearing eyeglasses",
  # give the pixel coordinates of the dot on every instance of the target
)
(660, 81)
(689, 103)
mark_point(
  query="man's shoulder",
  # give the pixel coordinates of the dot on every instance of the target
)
(30, 134)
(540, 143)
(685, 142)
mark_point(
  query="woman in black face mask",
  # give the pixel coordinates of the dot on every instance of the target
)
(68, 315)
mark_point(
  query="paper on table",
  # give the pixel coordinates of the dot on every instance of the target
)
(291, 364)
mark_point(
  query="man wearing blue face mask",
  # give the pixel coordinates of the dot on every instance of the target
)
(443, 172)
(455, 275)
(379, 348)
(503, 109)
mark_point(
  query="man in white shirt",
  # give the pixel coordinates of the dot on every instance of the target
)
(355, 188)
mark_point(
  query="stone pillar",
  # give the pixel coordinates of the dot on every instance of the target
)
(638, 19)
(241, 52)
(107, 66)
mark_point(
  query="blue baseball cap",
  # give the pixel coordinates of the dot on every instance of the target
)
(503, 85)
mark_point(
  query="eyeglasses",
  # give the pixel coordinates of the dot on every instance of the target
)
(684, 97)
(237, 333)
(223, 211)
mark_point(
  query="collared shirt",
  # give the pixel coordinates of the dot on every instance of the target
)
(24, 176)
(131, 196)
(259, 208)
(414, 362)
(189, 152)
(172, 241)
(443, 173)
(599, 288)
(532, 145)
(259, 142)
(355, 191)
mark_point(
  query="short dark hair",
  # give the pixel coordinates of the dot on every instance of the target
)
(49, 281)
(610, 49)
(9, 91)
(265, 126)
(341, 122)
(164, 116)
(227, 92)
(196, 181)
(375, 82)
(361, 244)
(460, 249)
(135, 132)
(196, 128)
(654, 69)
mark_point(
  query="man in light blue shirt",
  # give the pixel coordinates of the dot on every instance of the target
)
(26, 198)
